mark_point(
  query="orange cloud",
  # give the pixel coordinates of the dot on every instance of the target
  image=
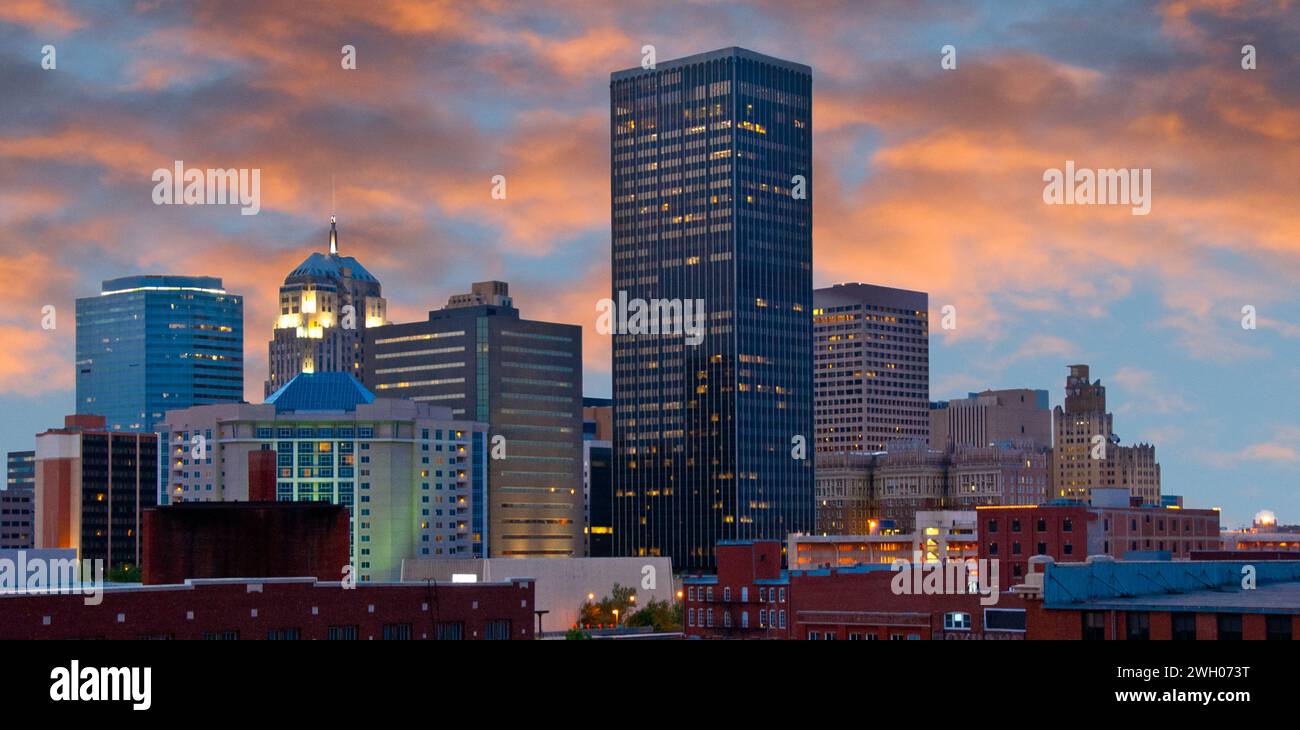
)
(46, 16)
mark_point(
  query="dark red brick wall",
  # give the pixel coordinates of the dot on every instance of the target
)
(1111, 529)
(1014, 566)
(1067, 624)
(812, 597)
(261, 476)
(255, 608)
(244, 539)
(872, 592)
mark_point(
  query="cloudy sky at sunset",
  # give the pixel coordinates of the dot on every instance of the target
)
(924, 179)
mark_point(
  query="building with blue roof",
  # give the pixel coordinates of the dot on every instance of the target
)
(1106, 599)
(320, 392)
(412, 474)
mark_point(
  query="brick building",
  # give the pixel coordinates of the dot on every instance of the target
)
(1105, 599)
(277, 608)
(1112, 525)
(751, 597)
(245, 539)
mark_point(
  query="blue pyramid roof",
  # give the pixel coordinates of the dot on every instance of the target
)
(320, 392)
(330, 265)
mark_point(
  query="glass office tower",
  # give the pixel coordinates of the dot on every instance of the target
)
(150, 344)
(705, 151)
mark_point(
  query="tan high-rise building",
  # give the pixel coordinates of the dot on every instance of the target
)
(1018, 416)
(1087, 453)
(871, 367)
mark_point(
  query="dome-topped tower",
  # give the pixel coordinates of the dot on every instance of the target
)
(326, 303)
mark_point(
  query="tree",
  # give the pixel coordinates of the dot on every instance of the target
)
(124, 573)
(660, 615)
(602, 612)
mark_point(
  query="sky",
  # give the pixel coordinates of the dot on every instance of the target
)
(924, 178)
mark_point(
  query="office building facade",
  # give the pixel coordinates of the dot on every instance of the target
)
(598, 497)
(326, 305)
(16, 501)
(148, 344)
(860, 493)
(872, 367)
(598, 475)
(711, 186)
(523, 378)
(92, 488)
(1021, 416)
(409, 472)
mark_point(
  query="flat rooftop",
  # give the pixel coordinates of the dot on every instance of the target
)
(1279, 598)
(721, 53)
(1182, 585)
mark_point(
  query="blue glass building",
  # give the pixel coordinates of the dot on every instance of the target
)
(150, 344)
(705, 152)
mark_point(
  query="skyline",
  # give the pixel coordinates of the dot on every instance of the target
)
(939, 171)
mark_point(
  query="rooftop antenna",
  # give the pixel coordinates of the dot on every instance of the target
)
(334, 234)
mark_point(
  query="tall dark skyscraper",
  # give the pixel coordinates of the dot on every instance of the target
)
(711, 187)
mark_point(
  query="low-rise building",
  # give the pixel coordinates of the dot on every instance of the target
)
(939, 535)
(1113, 524)
(562, 586)
(276, 608)
(1105, 599)
(806, 552)
(751, 597)
(1265, 540)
